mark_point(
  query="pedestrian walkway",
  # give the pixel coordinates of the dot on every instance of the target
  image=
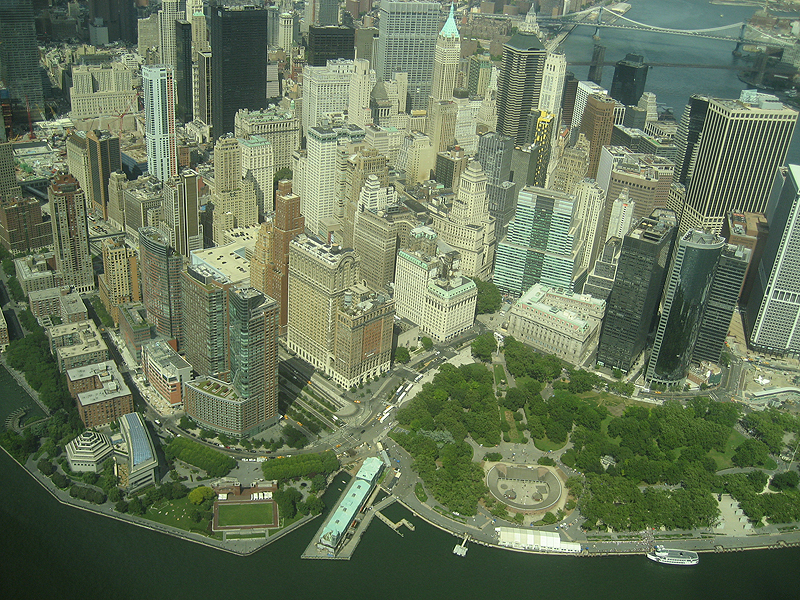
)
(24, 384)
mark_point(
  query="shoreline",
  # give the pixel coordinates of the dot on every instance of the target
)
(602, 548)
(158, 527)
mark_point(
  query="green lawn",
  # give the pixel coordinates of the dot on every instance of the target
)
(175, 513)
(516, 436)
(252, 513)
(499, 375)
(723, 459)
(545, 445)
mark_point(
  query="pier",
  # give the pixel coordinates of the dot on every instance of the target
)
(394, 526)
(461, 549)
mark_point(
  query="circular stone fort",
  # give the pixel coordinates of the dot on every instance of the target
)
(525, 488)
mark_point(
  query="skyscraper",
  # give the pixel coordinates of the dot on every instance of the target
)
(688, 135)
(119, 281)
(445, 61)
(494, 154)
(721, 304)
(239, 63)
(741, 144)
(773, 312)
(249, 403)
(632, 305)
(183, 70)
(543, 244)
(159, 117)
(9, 186)
(596, 125)
(104, 158)
(167, 17)
(691, 272)
(206, 337)
(519, 83)
(160, 271)
(71, 233)
(407, 44)
(630, 76)
(19, 57)
(329, 43)
(181, 212)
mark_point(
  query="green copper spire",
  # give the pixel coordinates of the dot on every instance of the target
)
(450, 30)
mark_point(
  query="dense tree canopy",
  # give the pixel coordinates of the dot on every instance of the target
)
(489, 298)
(303, 465)
(213, 462)
(483, 346)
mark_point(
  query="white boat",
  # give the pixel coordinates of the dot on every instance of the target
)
(668, 556)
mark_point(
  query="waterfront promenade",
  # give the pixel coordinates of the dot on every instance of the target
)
(23, 383)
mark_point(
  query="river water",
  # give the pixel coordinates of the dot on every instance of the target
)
(53, 551)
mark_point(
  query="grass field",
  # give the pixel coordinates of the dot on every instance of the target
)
(252, 513)
(499, 375)
(723, 459)
(545, 445)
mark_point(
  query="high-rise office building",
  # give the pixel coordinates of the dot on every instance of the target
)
(22, 228)
(319, 276)
(119, 281)
(9, 186)
(326, 90)
(206, 338)
(159, 115)
(19, 58)
(479, 74)
(630, 75)
(519, 83)
(468, 226)
(721, 304)
(286, 31)
(747, 230)
(541, 125)
(773, 312)
(287, 224)
(170, 13)
(407, 44)
(694, 261)
(181, 212)
(239, 63)
(280, 127)
(688, 135)
(362, 82)
(632, 305)
(543, 244)
(353, 172)
(449, 167)
(583, 90)
(234, 198)
(441, 124)
(494, 154)
(446, 58)
(119, 17)
(183, 71)
(160, 272)
(552, 92)
(741, 144)
(249, 403)
(258, 167)
(329, 43)
(104, 158)
(597, 125)
(102, 90)
(71, 233)
(201, 107)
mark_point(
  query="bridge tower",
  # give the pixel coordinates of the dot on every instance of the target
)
(738, 50)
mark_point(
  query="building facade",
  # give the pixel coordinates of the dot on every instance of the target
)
(68, 219)
(158, 82)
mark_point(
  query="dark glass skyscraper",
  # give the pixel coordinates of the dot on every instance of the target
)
(19, 57)
(722, 299)
(160, 271)
(238, 63)
(519, 83)
(630, 76)
(329, 43)
(633, 302)
(691, 272)
(494, 153)
(183, 71)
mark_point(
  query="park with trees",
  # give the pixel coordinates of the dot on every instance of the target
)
(213, 462)
(643, 466)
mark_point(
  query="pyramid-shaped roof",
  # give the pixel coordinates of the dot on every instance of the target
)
(450, 30)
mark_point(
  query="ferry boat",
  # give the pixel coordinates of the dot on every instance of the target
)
(668, 556)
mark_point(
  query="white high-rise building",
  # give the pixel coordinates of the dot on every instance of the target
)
(326, 91)
(286, 31)
(445, 61)
(159, 121)
(374, 197)
(590, 199)
(555, 69)
(407, 43)
(773, 311)
(361, 83)
(621, 216)
(585, 89)
(167, 16)
(258, 166)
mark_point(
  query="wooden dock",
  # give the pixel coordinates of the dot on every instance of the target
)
(395, 526)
